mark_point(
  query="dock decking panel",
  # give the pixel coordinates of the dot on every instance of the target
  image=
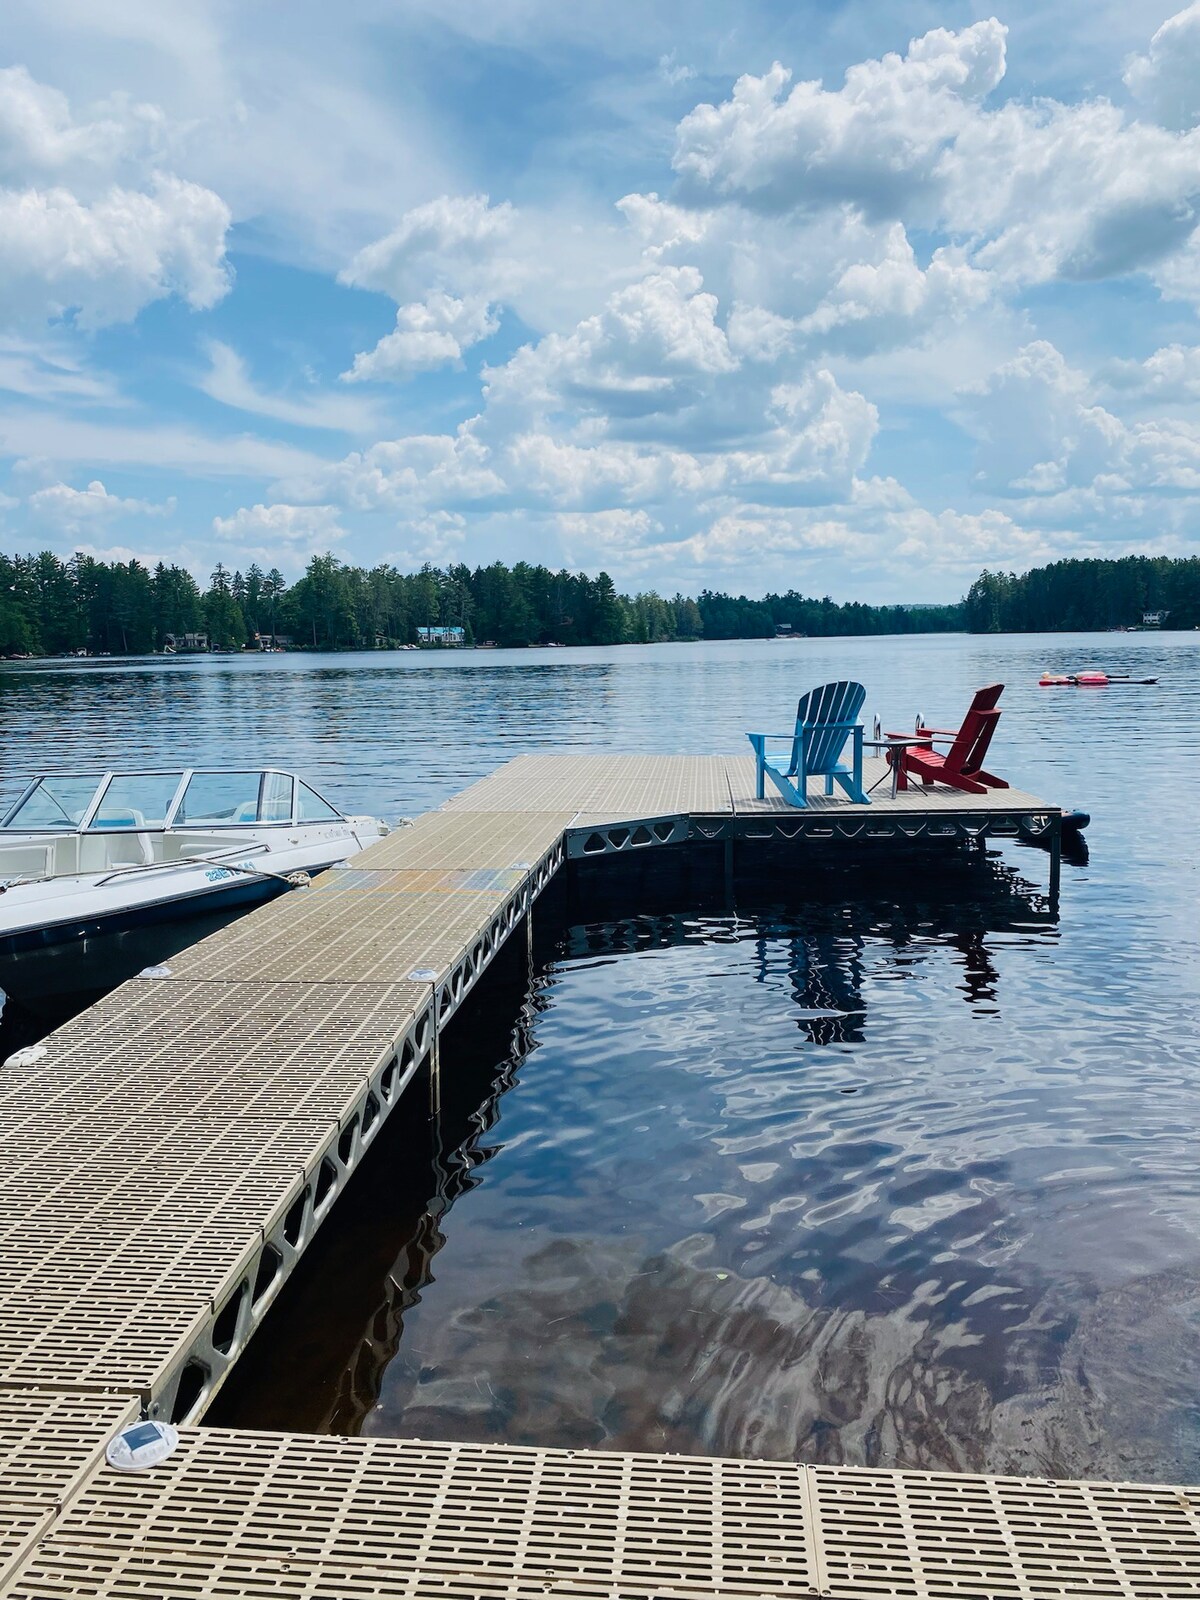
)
(234, 1513)
(50, 1444)
(608, 791)
(50, 1441)
(181, 1048)
(397, 1518)
(111, 1265)
(352, 937)
(888, 1534)
(462, 840)
(616, 786)
(877, 781)
(135, 1170)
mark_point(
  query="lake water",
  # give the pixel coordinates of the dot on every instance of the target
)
(897, 1169)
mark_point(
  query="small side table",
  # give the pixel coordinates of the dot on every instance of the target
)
(898, 745)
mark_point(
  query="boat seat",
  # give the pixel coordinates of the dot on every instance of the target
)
(132, 851)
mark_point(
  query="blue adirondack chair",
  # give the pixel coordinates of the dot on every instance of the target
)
(825, 719)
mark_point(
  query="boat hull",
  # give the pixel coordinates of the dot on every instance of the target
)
(54, 943)
(50, 982)
(230, 895)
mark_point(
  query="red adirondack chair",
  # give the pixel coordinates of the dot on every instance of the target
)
(962, 765)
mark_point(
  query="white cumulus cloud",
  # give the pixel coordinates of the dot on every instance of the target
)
(1166, 80)
(876, 142)
(654, 347)
(290, 528)
(454, 241)
(61, 506)
(429, 333)
(436, 538)
(447, 263)
(1171, 375)
(90, 223)
(892, 300)
(1040, 435)
(40, 139)
(1028, 190)
(108, 258)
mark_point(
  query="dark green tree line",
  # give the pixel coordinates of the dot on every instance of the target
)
(52, 607)
(1082, 595)
(48, 606)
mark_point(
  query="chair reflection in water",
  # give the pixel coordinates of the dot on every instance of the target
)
(826, 720)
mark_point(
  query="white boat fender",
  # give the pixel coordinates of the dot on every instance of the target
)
(28, 1057)
(141, 1445)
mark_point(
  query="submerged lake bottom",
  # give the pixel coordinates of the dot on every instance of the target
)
(822, 1164)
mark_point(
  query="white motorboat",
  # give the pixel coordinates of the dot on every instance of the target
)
(82, 856)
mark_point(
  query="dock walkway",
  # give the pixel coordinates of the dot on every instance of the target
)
(171, 1152)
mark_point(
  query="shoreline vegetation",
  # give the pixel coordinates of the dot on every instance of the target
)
(50, 607)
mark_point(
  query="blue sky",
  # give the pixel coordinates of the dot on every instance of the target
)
(853, 298)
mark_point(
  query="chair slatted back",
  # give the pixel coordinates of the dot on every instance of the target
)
(971, 742)
(816, 732)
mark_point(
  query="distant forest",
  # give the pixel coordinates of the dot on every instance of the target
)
(1081, 595)
(54, 607)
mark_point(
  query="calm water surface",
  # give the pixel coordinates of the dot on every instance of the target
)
(899, 1170)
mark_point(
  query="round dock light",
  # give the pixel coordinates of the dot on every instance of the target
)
(161, 971)
(422, 975)
(141, 1446)
(29, 1056)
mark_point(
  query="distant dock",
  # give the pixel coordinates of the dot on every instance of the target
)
(173, 1150)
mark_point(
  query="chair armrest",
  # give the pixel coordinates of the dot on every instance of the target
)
(791, 735)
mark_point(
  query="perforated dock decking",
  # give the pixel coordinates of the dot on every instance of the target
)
(171, 1152)
(236, 1514)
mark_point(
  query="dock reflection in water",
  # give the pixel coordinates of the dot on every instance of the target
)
(805, 1179)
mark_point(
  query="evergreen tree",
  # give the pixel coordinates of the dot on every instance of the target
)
(274, 589)
(222, 615)
(252, 598)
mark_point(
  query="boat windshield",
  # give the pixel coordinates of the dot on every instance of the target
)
(55, 803)
(137, 800)
(223, 798)
(148, 800)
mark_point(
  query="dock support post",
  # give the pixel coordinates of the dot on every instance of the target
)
(435, 1071)
(1055, 862)
(729, 873)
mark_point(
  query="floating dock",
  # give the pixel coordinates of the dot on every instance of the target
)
(171, 1152)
